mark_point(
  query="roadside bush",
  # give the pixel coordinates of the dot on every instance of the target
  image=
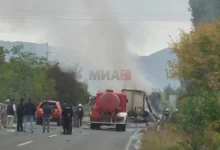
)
(212, 136)
(167, 139)
(198, 117)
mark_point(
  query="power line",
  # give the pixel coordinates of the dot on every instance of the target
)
(101, 13)
(74, 19)
(90, 14)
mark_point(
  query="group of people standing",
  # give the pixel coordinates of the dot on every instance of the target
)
(71, 115)
(25, 112)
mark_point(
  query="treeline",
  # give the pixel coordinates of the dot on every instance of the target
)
(26, 75)
(198, 67)
(196, 125)
(204, 10)
(165, 96)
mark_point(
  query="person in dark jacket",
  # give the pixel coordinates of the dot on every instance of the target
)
(47, 110)
(67, 115)
(20, 114)
(80, 113)
(29, 112)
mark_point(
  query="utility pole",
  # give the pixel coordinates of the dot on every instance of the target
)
(47, 51)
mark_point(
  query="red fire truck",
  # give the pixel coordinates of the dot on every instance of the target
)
(109, 109)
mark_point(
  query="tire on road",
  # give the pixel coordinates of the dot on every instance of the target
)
(59, 122)
(39, 121)
(95, 126)
(120, 127)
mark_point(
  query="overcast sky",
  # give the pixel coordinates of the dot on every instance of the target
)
(151, 22)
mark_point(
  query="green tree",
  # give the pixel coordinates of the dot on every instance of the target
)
(199, 64)
(168, 90)
(164, 100)
(67, 86)
(24, 76)
(27, 75)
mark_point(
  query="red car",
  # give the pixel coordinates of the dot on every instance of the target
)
(56, 115)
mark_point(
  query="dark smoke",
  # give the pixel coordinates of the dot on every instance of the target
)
(204, 10)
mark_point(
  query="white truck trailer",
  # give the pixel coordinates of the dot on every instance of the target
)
(136, 101)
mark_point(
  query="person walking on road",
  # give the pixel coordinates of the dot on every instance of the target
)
(20, 114)
(29, 112)
(47, 110)
(3, 113)
(11, 109)
(80, 113)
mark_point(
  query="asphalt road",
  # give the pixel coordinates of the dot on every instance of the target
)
(81, 139)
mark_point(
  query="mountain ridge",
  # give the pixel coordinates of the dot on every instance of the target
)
(153, 67)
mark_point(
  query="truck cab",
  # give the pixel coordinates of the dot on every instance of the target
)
(109, 109)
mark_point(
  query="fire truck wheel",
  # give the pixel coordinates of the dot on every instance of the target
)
(95, 126)
(92, 126)
(121, 127)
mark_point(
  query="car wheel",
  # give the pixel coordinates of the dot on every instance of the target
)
(39, 121)
(59, 123)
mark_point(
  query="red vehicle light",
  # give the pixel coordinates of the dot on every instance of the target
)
(39, 111)
(56, 112)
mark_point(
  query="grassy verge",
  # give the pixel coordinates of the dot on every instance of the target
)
(166, 139)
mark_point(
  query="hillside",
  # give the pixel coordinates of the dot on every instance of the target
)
(32, 47)
(153, 66)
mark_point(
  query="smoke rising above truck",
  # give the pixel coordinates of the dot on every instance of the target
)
(91, 43)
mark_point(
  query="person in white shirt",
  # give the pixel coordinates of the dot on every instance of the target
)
(11, 109)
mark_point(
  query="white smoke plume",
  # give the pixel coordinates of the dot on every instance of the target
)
(94, 44)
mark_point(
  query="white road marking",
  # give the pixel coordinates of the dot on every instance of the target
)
(131, 139)
(22, 144)
(52, 135)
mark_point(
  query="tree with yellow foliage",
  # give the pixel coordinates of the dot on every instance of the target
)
(198, 54)
(198, 63)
